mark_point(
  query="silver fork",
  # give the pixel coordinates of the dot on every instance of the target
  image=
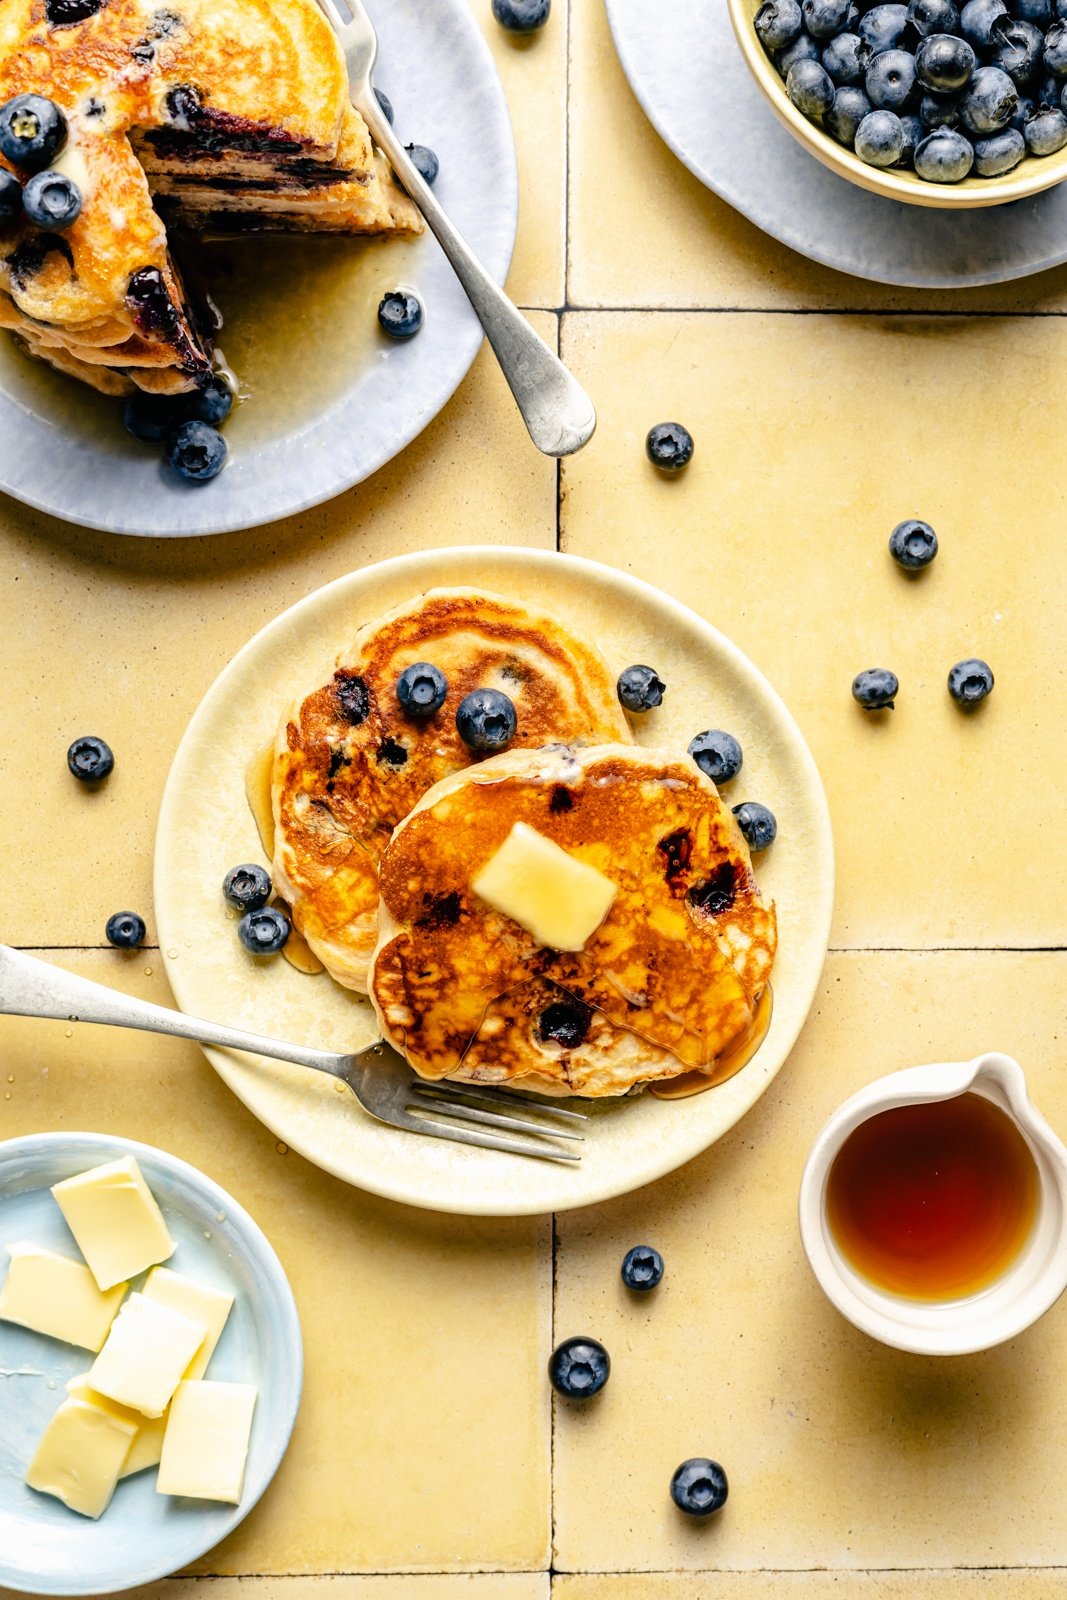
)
(379, 1077)
(558, 413)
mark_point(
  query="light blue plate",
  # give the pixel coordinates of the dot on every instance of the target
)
(46, 1549)
(64, 450)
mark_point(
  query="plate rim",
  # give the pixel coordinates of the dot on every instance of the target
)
(519, 556)
(292, 1376)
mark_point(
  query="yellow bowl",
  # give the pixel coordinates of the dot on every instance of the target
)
(1033, 174)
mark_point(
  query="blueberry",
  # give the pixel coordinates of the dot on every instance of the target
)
(642, 1268)
(802, 49)
(1025, 112)
(126, 930)
(890, 81)
(1017, 50)
(778, 23)
(33, 131)
(880, 139)
(90, 759)
(386, 105)
(1045, 132)
(151, 417)
(1000, 153)
(669, 446)
(717, 754)
(699, 1487)
(640, 689)
(969, 682)
(939, 111)
(1036, 11)
(944, 63)
(824, 18)
(421, 689)
(1048, 90)
(263, 932)
(811, 89)
(944, 156)
(977, 20)
(1056, 50)
(990, 102)
(883, 27)
(197, 452)
(914, 134)
(522, 16)
(913, 544)
(213, 403)
(846, 59)
(53, 201)
(876, 689)
(486, 720)
(247, 887)
(10, 198)
(933, 16)
(759, 826)
(424, 161)
(847, 112)
(579, 1368)
(400, 314)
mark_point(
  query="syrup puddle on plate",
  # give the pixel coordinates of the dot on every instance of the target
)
(296, 949)
(725, 1066)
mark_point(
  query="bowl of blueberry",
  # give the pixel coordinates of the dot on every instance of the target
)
(947, 103)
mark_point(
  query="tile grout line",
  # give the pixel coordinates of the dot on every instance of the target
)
(924, 314)
(569, 24)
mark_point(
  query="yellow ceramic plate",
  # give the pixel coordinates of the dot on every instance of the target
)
(205, 827)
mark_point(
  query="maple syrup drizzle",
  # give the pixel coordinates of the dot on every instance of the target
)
(258, 773)
(738, 1055)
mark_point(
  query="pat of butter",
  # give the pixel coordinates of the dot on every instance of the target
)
(205, 1447)
(118, 1227)
(195, 1301)
(147, 1353)
(80, 1457)
(147, 1446)
(558, 899)
(57, 1296)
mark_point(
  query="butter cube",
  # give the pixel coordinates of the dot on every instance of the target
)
(195, 1301)
(57, 1296)
(147, 1353)
(80, 1457)
(205, 1447)
(558, 899)
(118, 1227)
(147, 1445)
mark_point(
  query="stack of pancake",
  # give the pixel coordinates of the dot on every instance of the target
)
(382, 821)
(228, 115)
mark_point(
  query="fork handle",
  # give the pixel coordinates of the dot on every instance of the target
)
(558, 413)
(32, 988)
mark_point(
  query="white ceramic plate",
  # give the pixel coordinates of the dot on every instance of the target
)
(46, 1549)
(344, 399)
(685, 68)
(205, 827)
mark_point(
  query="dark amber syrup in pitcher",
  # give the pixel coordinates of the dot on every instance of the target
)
(933, 1201)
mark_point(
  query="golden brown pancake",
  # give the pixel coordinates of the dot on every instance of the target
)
(349, 765)
(235, 113)
(668, 982)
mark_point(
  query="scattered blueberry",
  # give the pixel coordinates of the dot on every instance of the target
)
(486, 720)
(386, 105)
(875, 689)
(913, 544)
(978, 19)
(717, 754)
(824, 18)
(880, 139)
(424, 161)
(758, 824)
(10, 198)
(669, 446)
(699, 1487)
(847, 112)
(213, 403)
(197, 452)
(33, 131)
(52, 200)
(883, 27)
(969, 682)
(1045, 132)
(90, 759)
(990, 102)
(579, 1368)
(151, 417)
(944, 63)
(421, 689)
(400, 314)
(640, 689)
(999, 154)
(778, 23)
(522, 16)
(126, 930)
(944, 156)
(811, 89)
(933, 16)
(642, 1268)
(247, 887)
(263, 932)
(890, 80)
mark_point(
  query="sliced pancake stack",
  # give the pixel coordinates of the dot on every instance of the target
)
(383, 821)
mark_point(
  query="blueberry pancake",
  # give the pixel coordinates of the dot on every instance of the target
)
(231, 115)
(350, 762)
(666, 971)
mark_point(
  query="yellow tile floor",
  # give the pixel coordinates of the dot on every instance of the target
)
(428, 1463)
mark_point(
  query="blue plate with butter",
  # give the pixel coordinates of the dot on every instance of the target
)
(142, 1536)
